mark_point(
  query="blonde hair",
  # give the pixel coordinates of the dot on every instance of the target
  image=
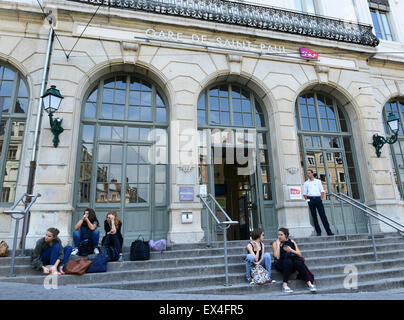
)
(116, 220)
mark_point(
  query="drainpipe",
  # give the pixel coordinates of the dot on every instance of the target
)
(32, 165)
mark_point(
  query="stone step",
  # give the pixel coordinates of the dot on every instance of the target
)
(307, 252)
(328, 259)
(184, 282)
(297, 285)
(114, 269)
(307, 249)
(217, 249)
(313, 239)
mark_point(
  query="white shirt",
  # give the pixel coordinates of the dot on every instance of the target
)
(313, 188)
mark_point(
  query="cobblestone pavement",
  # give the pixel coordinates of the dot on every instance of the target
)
(19, 291)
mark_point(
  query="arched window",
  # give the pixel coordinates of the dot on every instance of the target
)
(396, 106)
(14, 101)
(230, 105)
(232, 121)
(326, 143)
(124, 151)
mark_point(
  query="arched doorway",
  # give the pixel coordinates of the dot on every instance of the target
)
(326, 147)
(123, 155)
(396, 106)
(234, 158)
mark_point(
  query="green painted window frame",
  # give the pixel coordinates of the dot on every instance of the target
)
(204, 105)
(11, 117)
(98, 121)
(382, 24)
(399, 112)
(344, 136)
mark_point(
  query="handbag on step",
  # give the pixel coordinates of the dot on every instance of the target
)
(78, 267)
(3, 249)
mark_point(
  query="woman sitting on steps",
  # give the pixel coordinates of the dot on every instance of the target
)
(256, 254)
(49, 254)
(288, 258)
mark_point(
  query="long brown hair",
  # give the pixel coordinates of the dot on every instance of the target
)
(116, 220)
(92, 217)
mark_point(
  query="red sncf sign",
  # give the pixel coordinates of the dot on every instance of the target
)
(308, 54)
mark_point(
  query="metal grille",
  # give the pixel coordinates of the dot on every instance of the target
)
(254, 16)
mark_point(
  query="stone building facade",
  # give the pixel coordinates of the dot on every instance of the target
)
(180, 66)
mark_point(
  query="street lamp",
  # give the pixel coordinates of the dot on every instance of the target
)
(52, 100)
(379, 141)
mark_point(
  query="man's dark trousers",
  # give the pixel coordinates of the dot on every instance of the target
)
(316, 202)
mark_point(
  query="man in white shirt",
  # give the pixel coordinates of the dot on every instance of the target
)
(313, 192)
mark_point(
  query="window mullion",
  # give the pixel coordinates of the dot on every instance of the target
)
(320, 128)
(3, 158)
(230, 88)
(381, 25)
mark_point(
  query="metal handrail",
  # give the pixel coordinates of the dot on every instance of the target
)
(17, 215)
(369, 212)
(373, 210)
(224, 225)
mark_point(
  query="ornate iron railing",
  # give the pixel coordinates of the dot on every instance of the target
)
(254, 16)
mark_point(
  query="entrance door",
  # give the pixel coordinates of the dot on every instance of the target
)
(236, 192)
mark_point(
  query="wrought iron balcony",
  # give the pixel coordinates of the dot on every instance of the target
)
(254, 16)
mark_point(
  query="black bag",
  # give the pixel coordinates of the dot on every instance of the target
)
(86, 248)
(112, 253)
(139, 250)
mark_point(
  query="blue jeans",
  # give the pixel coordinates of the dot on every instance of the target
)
(95, 237)
(266, 263)
(50, 255)
(113, 241)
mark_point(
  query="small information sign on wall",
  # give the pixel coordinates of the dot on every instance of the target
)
(186, 193)
(295, 193)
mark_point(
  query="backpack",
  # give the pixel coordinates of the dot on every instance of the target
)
(112, 252)
(99, 263)
(260, 275)
(3, 249)
(139, 250)
(86, 248)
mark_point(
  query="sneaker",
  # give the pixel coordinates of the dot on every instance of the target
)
(312, 288)
(121, 258)
(75, 252)
(272, 280)
(252, 283)
(287, 290)
(96, 251)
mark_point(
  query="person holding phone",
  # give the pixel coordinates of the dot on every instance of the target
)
(86, 229)
(113, 236)
(256, 254)
(313, 192)
(288, 258)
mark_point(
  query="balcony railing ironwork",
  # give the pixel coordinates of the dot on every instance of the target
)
(254, 16)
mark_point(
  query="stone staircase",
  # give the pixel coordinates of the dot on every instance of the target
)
(200, 270)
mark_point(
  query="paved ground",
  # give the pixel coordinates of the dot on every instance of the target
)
(18, 291)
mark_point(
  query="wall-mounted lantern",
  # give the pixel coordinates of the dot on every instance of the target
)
(378, 141)
(52, 100)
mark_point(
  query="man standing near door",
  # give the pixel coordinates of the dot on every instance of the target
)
(313, 192)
